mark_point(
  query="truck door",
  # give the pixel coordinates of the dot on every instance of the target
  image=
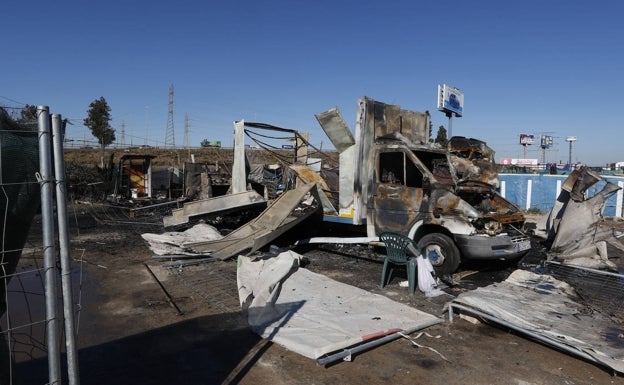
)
(397, 193)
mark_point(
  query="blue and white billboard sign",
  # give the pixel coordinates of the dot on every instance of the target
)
(450, 100)
(547, 141)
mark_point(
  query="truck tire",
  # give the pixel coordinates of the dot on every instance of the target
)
(434, 244)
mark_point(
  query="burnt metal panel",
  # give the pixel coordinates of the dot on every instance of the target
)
(279, 217)
(396, 207)
(473, 160)
(390, 121)
(220, 204)
(574, 223)
(336, 129)
(338, 132)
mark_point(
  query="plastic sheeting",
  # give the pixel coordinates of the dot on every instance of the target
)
(313, 315)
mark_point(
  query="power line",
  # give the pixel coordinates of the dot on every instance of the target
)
(12, 100)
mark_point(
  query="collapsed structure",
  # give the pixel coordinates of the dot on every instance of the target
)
(569, 302)
(391, 177)
(577, 233)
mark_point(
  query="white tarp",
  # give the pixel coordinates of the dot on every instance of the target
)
(313, 315)
(546, 306)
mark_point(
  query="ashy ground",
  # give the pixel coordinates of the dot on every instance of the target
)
(130, 333)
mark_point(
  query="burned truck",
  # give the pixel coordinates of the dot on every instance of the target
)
(392, 178)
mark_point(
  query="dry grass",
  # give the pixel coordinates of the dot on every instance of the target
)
(164, 157)
(173, 157)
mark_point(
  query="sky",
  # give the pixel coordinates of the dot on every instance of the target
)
(525, 67)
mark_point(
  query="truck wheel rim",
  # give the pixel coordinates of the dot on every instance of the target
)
(435, 255)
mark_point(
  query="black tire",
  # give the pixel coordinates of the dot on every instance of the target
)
(449, 262)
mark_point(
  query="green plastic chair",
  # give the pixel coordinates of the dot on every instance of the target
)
(396, 254)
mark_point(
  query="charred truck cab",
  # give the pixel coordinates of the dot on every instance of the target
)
(393, 179)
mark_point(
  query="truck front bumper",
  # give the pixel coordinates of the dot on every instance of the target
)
(501, 246)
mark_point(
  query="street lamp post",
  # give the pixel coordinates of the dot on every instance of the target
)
(570, 139)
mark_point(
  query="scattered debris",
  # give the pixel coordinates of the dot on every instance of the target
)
(180, 264)
(223, 204)
(290, 209)
(393, 179)
(568, 304)
(203, 181)
(548, 310)
(174, 242)
(82, 260)
(412, 340)
(426, 281)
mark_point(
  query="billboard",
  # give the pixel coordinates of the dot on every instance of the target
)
(450, 100)
(547, 141)
(526, 139)
(518, 162)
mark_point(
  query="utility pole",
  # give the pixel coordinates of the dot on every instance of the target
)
(146, 124)
(169, 134)
(123, 133)
(186, 130)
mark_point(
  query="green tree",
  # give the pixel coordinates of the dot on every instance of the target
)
(441, 137)
(98, 120)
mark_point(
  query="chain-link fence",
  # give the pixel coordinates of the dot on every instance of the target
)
(31, 323)
(599, 291)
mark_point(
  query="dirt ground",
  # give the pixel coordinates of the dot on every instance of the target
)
(129, 333)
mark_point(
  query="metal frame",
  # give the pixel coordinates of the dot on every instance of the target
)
(537, 336)
(347, 354)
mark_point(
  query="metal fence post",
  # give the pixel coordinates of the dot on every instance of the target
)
(65, 250)
(529, 193)
(618, 200)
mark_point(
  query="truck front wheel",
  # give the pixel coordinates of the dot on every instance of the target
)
(441, 251)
